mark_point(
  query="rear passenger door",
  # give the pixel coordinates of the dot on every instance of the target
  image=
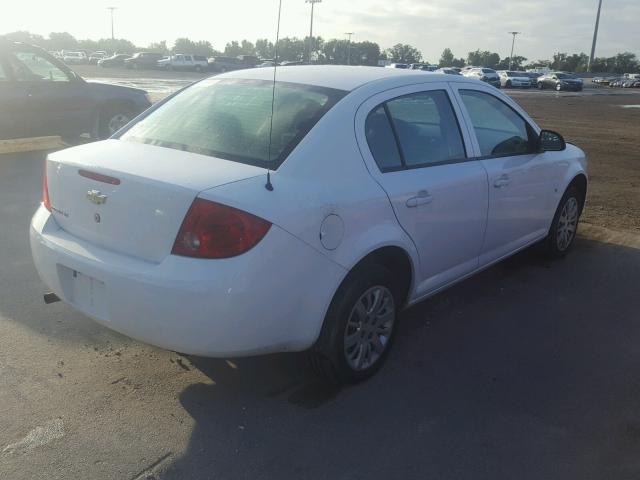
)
(416, 149)
(522, 181)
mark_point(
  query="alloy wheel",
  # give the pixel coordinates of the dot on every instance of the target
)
(567, 224)
(116, 122)
(369, 328)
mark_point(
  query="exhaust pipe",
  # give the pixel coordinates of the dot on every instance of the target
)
(51, 297)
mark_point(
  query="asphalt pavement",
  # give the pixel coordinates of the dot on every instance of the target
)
(530, 370)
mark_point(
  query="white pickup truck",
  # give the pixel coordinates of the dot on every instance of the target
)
(184, 62)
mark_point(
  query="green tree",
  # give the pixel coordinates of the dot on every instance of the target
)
(185, 45)
(118, 45)
(233, 49)
(483, 59)
(515, 64)
(158, 47)
(447, 58)
(247, 48)
(403, 53)
(62, 41)
(291, 49)
(27, 37)
(264, 48)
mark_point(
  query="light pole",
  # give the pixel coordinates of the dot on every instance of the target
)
(595, 37)
(112, 9)
(348, 47)
(312, 2)
(513, 42)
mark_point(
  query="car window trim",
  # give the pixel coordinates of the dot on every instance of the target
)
(528, 126)
(404, 165)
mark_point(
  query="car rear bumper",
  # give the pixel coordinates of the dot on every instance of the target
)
(272, 298)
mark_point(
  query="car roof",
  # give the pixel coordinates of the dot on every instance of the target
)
(340, 77)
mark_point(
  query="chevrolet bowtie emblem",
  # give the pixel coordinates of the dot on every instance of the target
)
(94, 196)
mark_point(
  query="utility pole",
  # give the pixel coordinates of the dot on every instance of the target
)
(513, 42)
(112, 9)
(348, 47)
(312, 2)
(595, 37)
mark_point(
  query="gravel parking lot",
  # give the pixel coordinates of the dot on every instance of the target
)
(526, 371)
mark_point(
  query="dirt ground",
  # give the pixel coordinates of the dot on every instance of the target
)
(610, 136)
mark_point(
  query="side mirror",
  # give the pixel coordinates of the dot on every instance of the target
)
(550, 141)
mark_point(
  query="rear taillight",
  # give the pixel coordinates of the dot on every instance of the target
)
(45, 189)
(212, 230)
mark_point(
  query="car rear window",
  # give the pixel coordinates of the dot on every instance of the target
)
(231, 119)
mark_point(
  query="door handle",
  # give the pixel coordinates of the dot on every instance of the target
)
(502, 181)
(422, 198)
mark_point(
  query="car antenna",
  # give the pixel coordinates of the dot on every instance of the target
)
(268, 185)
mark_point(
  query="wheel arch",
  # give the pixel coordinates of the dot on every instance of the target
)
(580, 182)
(394, 258)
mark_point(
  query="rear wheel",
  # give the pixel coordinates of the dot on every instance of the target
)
(565, 224)
(113, 119)
(359, 327)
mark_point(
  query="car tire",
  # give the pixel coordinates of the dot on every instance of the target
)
(111, 119)
(540, 86)
(169, 68)
(564, 225)
(198, 69)
(508, 84)
(354, 341)
(558, 87)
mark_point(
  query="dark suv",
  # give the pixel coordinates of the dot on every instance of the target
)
(143, 60)
(41, 96)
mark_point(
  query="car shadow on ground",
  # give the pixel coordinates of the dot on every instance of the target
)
(528, 371)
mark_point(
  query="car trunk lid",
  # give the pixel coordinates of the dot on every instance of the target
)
(132, 198)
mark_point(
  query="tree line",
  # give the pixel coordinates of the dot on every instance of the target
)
(334, 51)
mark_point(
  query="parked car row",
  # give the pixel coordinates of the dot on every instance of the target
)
(628, 80)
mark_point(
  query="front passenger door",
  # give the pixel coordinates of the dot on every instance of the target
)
(521, 180)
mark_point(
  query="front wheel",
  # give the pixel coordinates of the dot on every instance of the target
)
(565, 224)
(558, 87)
(359, 327)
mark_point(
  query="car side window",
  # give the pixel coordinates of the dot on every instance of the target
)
(30, 67)
(499, 129)
(381, 140)
(426, 128)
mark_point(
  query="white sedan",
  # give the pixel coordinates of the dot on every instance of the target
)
(210, 227)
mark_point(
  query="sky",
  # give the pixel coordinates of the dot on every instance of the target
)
(547, 26)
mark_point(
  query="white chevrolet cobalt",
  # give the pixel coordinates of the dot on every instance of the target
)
(242, 216)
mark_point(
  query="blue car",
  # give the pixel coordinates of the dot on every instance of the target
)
(40, 96)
